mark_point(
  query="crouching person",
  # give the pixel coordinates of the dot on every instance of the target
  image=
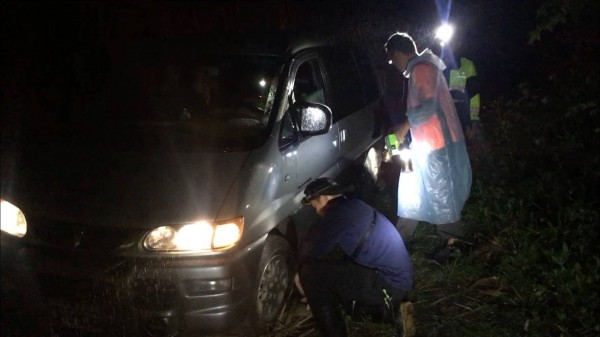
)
(352, 258)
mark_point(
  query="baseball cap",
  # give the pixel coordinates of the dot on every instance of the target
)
(322, 186)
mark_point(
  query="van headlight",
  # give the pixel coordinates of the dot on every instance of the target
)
(197, 236)
(13, 220)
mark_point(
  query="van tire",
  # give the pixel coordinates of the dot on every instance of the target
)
(275, 279)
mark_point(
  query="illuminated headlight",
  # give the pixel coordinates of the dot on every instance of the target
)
(197, 236)
(13, 220)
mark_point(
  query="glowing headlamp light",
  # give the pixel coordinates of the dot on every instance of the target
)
(444, 33)
(194, 237)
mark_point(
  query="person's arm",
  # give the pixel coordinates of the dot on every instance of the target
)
(424, 79)
(402, 130)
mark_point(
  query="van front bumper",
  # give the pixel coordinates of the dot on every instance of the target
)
(166, 296)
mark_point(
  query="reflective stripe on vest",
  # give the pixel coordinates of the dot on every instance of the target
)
(458, 77)
(474, 107)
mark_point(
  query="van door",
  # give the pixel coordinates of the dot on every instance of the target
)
(353, 96)
(318, 155)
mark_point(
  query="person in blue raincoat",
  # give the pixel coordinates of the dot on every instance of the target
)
(439, 185)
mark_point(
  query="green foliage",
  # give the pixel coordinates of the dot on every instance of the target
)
(553, 13)
(536, 207)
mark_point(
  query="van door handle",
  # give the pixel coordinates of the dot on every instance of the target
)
(287, 177)
(343, 136)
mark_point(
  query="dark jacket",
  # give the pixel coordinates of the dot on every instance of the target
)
(344, 225)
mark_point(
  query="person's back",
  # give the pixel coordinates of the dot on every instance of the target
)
(352, 257)
(462, 82)
(345, 223)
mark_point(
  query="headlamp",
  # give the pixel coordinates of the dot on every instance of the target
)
(444, 33)
(306, 201)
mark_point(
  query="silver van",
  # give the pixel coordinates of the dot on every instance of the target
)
(170, 204)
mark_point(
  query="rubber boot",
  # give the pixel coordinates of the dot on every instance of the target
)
(330, 322)
(406, 324)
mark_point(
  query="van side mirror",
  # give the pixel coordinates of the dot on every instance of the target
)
(311, 119)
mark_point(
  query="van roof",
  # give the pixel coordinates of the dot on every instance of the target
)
(263, 43)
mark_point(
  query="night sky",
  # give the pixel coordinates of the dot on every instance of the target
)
(44, 43)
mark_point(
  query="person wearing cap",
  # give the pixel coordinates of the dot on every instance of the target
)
(353, 257)
(439, 185)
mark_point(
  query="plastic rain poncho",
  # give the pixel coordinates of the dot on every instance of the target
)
(437, 188)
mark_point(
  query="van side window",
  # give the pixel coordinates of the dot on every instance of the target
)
(345, 83)
(308, 87)
(369, 78)
(308, 84)
(288, 133)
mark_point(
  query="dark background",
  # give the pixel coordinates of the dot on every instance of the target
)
(537, 203)
(53, 51)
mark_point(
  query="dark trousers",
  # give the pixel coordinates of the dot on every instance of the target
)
(462, 105)
(358, 289)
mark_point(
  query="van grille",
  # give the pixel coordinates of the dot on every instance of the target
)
(75, 236)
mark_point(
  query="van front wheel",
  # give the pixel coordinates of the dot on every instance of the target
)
(275, 278)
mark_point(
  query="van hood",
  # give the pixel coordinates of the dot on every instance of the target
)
(135, 189)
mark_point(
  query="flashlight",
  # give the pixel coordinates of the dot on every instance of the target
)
(392, 144)
(400, 150)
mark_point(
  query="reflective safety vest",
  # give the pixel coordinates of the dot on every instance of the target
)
(458, 81)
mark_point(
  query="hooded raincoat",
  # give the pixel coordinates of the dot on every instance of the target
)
(440, 183)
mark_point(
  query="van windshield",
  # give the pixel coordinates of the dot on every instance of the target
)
(217, 101)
